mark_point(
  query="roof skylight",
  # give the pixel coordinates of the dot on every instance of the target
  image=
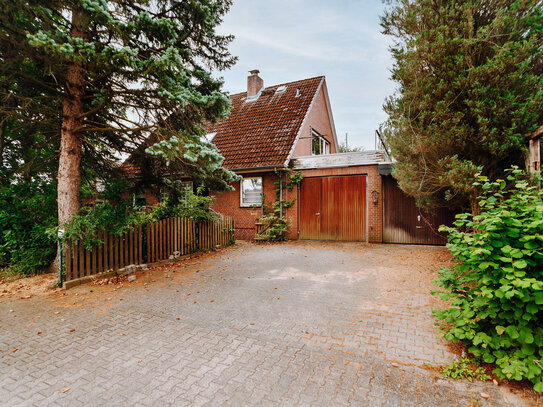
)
(210, 136)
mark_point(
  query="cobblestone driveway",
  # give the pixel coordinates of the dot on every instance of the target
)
(300, 323)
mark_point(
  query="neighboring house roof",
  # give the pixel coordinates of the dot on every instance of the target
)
(261, 131)
(130, 169)
(536, 134)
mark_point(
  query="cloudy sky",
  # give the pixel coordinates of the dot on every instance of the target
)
(289, 40)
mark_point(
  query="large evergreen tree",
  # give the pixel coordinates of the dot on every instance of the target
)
(97, 77)
(470, 89)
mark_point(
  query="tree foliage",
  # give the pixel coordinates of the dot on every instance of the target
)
(27, 211)
(108, 74)
(345, 148)
(470, 89)
(496, 285)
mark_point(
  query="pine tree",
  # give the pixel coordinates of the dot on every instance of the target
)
(470, 89)
(107, 74)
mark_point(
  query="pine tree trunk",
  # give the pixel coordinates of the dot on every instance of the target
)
(69, 166)
(69, 171)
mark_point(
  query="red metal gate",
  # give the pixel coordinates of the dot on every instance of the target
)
(333, 208)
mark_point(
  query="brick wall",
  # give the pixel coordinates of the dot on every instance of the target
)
(150, 197)
(319, 120)
(375, 211)
(228, 203)
(292, 212)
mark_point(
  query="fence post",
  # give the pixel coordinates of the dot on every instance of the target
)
(68, 262)
(197, 234)
(60, 262)
(140, 241)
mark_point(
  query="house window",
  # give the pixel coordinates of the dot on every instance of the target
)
(181, 191)
(139, 198)
(319, 145)
(251, 191)
(186, 191)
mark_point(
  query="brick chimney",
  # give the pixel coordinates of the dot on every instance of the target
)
(254, 83)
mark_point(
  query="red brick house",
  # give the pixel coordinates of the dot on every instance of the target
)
(291, 125)
(342, 196)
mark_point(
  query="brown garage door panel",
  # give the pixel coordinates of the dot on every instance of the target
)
(310, 207)
(333, 208)
(404, 222)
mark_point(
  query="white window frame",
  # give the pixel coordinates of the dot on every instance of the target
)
(324, 145)
(249, 204)
(185, 186)
(139, 195)
(188, 186)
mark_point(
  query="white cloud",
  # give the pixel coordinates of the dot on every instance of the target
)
(294, 39)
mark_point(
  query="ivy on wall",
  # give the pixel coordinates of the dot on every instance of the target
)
(274, 216)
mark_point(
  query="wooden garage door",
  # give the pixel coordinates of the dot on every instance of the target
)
(333, 208)
(404, 222)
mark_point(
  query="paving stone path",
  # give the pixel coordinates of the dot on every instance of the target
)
(294, 324)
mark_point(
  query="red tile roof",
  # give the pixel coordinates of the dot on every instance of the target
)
(129, 169)
(132, 166)
(261, 132)
(258, 133)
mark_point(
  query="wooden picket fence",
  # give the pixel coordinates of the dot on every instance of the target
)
(168, 236)
(157, 241)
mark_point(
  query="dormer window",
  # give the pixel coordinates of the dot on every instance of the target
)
(319, 145)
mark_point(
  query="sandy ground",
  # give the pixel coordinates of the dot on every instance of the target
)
(44, 285)
(28, 287)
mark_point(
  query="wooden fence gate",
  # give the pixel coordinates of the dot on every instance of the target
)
(157, 241)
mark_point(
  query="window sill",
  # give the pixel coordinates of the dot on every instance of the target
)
(243, 205)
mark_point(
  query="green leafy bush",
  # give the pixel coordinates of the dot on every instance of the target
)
(29, 223)
(114, 212)
(27, 211)
(496, 284)
(110, 211)
(193, 206)
(465, 368)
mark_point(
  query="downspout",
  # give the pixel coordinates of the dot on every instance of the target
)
(281, 196)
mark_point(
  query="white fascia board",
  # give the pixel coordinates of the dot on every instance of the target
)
(210, 136)
(329, 109)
